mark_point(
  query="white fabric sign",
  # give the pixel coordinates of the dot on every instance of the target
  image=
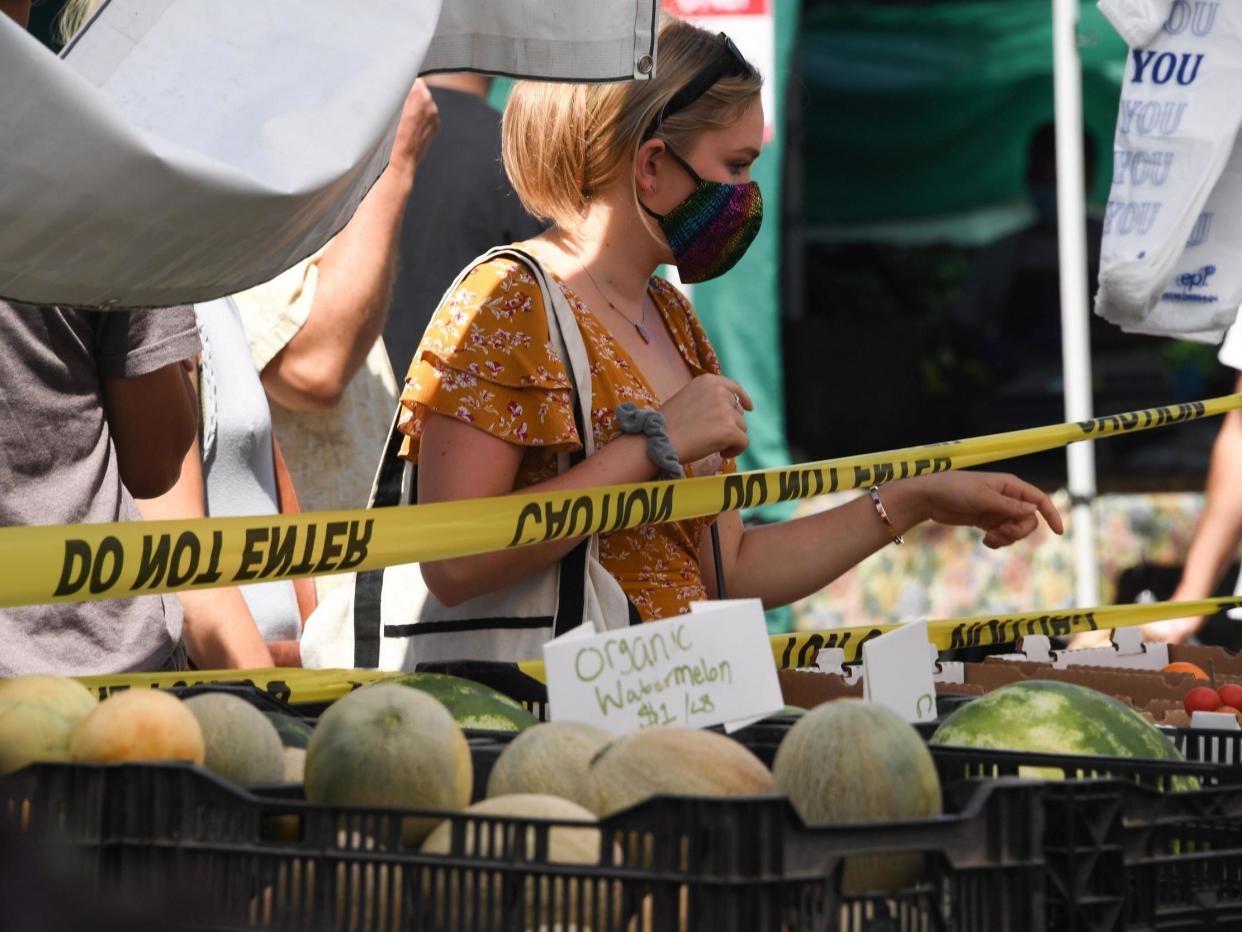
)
(580, 40)
(1171, 259)
(184, 150)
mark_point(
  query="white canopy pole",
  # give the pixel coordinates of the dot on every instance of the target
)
(1072, 248)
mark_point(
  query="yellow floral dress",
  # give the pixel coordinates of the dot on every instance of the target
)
(486, 359)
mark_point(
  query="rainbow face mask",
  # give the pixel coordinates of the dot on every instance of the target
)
(712, 228)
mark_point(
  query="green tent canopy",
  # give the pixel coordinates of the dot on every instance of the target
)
(917, 111)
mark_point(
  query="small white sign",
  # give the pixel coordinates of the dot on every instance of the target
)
(707, 668)
(1216, 721)
(898, 673)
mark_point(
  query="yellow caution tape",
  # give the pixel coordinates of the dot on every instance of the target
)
(800, 649)
(291, 684)
(84, 562)
(304, 687)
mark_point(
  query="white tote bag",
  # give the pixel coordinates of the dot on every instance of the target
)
(386, 619)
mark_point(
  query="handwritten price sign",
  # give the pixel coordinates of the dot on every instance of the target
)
(694, 671)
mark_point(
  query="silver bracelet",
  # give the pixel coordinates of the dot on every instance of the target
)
(879, 510)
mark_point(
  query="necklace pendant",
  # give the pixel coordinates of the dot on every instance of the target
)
(642, 332)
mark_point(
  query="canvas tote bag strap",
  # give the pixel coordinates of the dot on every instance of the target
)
(566, 338)
(395, 481)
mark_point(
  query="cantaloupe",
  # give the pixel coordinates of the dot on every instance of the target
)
(684, 761)
(64, 693)
(138, 724)
(852, 761)
(294, 764)
(37, 717)
(389, 746)
(240, 744)
(553, 758)
(548, 905)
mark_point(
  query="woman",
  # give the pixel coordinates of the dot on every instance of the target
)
(634, 175)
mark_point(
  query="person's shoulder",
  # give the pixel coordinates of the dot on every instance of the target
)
(499, 275)
(496, 300)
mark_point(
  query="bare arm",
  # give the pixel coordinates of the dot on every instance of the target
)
(219, 630)
(781, 563)
(1217, 534)
(355, 278)
(1216, 538)
(153, 419)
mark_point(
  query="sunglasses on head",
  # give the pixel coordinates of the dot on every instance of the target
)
(728, 62)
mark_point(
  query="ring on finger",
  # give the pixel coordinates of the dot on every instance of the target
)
(737, 401)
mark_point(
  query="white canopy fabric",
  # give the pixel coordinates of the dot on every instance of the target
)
(183, 150)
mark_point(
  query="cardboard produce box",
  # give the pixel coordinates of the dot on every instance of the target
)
(1156, 695)
(808, 689)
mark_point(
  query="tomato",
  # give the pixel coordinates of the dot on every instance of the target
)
(1201, 699)
(1231, 695)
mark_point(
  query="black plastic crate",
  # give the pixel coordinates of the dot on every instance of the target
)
(1209, 745)
(1132, 844)
(671, 863)
(1183, 857)
(1121, 852)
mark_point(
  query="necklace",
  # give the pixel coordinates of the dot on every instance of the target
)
(638, 325)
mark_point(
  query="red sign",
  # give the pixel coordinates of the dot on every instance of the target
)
(687, 9)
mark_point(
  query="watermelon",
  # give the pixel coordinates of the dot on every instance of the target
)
(473, 706)
(1051, 717)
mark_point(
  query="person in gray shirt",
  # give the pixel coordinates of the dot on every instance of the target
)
(95, 408)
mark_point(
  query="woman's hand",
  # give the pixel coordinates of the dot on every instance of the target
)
(1004, 506)
(706, 417)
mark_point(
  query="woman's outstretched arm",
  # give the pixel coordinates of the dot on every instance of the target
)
(781, 563)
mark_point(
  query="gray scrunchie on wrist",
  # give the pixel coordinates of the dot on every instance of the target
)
(635, 420)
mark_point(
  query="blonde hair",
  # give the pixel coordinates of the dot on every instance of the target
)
(74, 16)
(564, 143)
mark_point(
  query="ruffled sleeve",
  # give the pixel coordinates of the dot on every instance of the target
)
(487, 361)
